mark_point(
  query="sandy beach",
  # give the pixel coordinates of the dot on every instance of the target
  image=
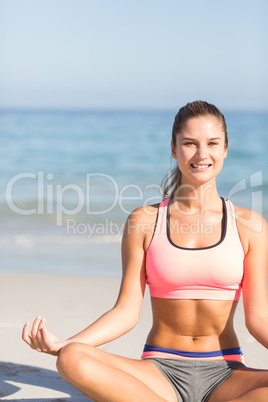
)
(69, 303)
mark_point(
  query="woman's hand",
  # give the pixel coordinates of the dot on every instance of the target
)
(40, 338)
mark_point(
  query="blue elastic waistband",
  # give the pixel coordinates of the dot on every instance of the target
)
(223, 352)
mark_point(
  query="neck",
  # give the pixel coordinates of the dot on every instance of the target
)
(198, 197)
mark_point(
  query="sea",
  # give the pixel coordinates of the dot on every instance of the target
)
(70, 178)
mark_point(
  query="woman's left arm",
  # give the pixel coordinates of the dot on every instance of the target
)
(254, 235)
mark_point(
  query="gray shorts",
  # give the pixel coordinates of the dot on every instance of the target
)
(195, 380)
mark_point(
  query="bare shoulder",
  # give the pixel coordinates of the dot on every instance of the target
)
(140, 225)
(250, 219)
(144, 214)
(251, 225)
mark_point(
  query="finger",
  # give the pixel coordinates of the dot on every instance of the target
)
(45, 339)
(41, 334)
(42, 323)
(25, 333)
(35, 335)
(35, 326)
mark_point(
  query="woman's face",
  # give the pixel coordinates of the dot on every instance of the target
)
(200, 149)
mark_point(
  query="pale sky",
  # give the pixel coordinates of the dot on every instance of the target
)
(133, 53)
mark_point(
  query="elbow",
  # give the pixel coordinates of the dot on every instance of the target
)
(133, 321)
(128, 318)
(130, 325)
(251, 329)
(257, 328)
(252, 324)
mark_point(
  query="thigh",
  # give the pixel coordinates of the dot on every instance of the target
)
(143, 370)
(243, 380)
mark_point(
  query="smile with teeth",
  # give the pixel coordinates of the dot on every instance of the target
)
(200, 166)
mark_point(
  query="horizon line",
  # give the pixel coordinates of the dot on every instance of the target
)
(117, 109)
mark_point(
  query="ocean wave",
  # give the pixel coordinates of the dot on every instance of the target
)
(29, 241)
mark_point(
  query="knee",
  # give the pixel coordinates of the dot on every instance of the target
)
(69, 359)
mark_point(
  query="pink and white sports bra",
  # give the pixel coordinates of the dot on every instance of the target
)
(214, 272)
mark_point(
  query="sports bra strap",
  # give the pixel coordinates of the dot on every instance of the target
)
(161, 217)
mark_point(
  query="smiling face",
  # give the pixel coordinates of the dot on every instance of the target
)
(200, 149)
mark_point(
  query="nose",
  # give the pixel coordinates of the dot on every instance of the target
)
(201, 152)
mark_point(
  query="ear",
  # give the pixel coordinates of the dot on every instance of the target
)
(225, 152)
(173, 150)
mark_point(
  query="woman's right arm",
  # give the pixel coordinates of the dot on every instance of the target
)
(124, 315)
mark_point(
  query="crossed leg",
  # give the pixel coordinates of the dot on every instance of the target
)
(105, 377)
(244, 385)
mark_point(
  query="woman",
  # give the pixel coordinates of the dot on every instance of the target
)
(196, 251)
